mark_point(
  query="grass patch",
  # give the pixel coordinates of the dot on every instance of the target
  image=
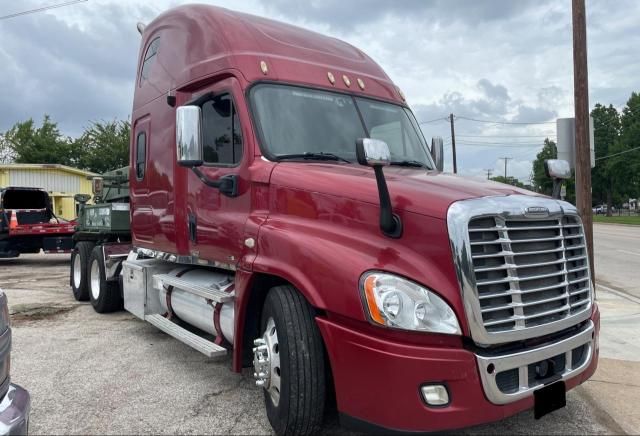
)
(633, 220)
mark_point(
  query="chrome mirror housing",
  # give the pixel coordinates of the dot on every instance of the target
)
(97, 186)
(189, 136)
(437, 152)
(372, 152)
(557, 169)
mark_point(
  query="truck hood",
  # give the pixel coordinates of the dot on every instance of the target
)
(411, 189)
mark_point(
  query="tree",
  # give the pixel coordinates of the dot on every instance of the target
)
(102, 147)
(509, 181)
(44, 144)
(625, 168)
(541, 182)
(606, 126)
(6, 152)
(105, 146)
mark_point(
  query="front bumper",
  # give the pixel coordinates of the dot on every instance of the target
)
(378, 381)
(14, 411)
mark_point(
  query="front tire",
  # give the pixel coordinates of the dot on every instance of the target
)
(295, 391)
(80, 269)
(104, 295)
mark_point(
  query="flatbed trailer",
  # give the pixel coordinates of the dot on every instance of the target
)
(30, 230)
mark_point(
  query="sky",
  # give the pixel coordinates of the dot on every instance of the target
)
(489, 60)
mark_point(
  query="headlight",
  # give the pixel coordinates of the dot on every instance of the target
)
(397, 302)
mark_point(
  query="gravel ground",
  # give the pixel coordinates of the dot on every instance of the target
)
(104, 374)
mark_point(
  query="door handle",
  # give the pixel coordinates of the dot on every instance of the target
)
(227, 185)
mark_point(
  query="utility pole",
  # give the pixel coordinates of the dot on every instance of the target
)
(453, 144)
(489, 171)
(581, 103)
(506, 159)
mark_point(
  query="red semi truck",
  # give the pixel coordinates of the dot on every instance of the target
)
(286, 209)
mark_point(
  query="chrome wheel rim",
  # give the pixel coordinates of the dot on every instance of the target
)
(266, 361)
(95, 280)
(77, 271)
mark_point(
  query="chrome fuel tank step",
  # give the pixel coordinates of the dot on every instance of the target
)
(204, 346)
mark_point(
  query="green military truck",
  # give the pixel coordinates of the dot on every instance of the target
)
(102, 239)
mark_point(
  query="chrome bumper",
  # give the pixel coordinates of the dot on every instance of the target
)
(14, 411)
(491, 367)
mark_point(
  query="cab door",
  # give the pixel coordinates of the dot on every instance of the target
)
(216, 221)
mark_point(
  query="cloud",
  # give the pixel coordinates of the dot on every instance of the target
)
(489, 60)
(348, 15)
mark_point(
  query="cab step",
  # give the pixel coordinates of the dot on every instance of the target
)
(215, 294)
(204, 346)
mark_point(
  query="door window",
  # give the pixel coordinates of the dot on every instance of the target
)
(221, 133)
(141, 154)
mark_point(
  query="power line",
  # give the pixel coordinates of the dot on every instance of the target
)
(497, 144)
(617, 154)
(506, 136)
(502, 122)
(434, 120)
(44, 8)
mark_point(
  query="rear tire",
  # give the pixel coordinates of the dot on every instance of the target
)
(80, 269)
(298, 405)
(104, 295)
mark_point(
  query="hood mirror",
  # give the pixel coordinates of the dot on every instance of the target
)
(375, 153)
(559, 170)
(372, 152)
(437, 152)
(189, 136)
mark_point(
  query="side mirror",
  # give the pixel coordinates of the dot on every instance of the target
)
(557, 169)
(372, 152)
(437, 152)
(81, 198)
(97, 186)
(189, 136)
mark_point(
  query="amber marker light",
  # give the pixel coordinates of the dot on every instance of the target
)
(369, 295)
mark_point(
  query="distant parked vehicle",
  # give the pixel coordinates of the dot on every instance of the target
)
(28, 224)
(15, 402)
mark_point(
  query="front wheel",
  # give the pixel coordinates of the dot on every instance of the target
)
(289, 363)
(104, 295)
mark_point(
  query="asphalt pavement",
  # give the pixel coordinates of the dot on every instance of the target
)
(114, 374)
(617, 257)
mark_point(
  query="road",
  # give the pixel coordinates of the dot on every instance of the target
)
(105, 374)
(617, 257)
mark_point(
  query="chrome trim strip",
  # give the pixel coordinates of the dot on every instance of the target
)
(501, 208)
(183, 259)
(523, 359)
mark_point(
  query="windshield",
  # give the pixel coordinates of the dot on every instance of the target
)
(294, 120)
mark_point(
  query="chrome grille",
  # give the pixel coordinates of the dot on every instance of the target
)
(528, 272)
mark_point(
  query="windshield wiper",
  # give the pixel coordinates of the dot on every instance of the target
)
(313, 156)
(409, 163)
